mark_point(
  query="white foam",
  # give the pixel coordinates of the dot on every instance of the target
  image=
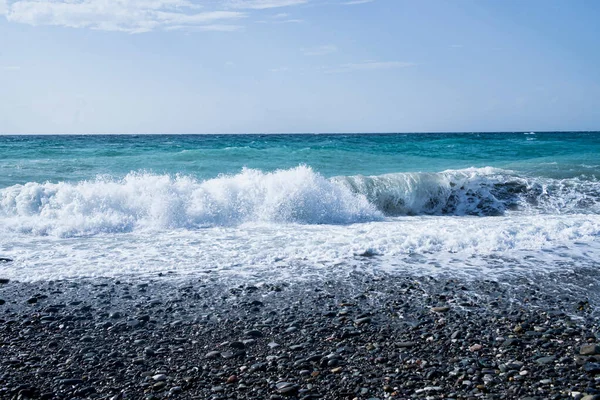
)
(146, 201)
(470, 246)
(141, 202)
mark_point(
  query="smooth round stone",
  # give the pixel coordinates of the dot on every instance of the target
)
(237, 345)
(363, 321)
(212, 354)
(286, 388)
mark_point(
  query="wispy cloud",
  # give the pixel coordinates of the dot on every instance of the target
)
(3, 7)
(11, 68)
(281, 18)
(263, 4)
(320, 50)
(353, 2)
(133, 16)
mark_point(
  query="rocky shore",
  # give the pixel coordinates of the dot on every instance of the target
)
(363, 336)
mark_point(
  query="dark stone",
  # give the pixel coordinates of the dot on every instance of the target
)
(592, 367)
(71, 382)
(237, 345)
(287, 389)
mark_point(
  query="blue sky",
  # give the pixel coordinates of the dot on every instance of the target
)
(235, 66)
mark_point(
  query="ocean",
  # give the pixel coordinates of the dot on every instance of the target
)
(299, 206)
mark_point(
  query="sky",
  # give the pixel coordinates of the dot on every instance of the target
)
(298, 66)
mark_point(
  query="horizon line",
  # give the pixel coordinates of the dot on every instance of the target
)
(298, 133)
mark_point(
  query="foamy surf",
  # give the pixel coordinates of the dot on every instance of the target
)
(143, 201)
(460, 246)
(298, 223)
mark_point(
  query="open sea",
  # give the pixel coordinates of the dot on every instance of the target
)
(295, 206)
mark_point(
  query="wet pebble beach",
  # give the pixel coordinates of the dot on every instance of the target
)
(361, 336)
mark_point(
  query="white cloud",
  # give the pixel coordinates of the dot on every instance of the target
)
(281, 18)
(11, 68)
(320, 50)
(133, 16)
(353, 2)
(3, 7)
(264, 4)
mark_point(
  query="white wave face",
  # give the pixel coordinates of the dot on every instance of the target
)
(146, 201)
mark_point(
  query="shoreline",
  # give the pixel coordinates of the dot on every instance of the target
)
(363, 336)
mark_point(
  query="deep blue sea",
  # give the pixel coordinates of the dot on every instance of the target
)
(298, 205)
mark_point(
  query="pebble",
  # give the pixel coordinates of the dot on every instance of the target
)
(589, 349)
(237, 345)
(475, 347)
(212, 354)
(592, 367)
(545, 360)
(286, 388)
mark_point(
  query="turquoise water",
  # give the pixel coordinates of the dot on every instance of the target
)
(73, 158)
(478, 204)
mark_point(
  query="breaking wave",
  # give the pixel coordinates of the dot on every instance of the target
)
(297, 195)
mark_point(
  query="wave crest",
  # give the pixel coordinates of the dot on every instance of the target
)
(161, 201)
(297, 195)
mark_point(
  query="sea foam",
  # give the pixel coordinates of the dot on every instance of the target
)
(142, 201)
